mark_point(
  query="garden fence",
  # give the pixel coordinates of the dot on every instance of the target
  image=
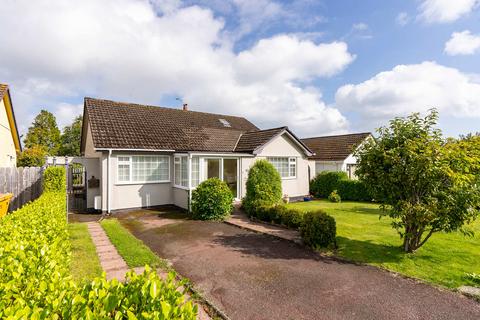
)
(24, 183)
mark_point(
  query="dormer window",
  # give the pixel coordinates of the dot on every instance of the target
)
(225, 123)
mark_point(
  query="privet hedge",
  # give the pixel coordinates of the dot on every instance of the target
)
(264, 186)
(54, 179)
(328, 181)
(316, 231)
(212, 200)
(35, 282)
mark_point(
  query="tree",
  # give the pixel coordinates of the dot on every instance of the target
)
(70, 139)
(424, 183)
(32, 157)
(44, 132)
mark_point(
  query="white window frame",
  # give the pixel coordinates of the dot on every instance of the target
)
(130, 165)
(179, 186)
(292, 162)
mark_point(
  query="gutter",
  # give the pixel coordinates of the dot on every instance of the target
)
(108, 181)
(122, 149)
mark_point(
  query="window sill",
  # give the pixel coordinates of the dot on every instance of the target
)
(140, 182)
(289, 178)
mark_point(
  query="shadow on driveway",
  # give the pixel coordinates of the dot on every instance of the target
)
(254, 276)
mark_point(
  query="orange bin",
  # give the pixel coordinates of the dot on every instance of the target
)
(4, 201)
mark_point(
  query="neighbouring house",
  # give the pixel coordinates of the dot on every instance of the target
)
(9, 138)
(140, 156)
(335, 153)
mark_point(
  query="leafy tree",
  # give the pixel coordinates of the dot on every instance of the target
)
(32, 157)
(44, 132)
(424, 183)
(70, 139)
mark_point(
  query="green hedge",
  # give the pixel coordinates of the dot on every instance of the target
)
(212, 200)
(349, 190)
(54, 179)
(353, 190)
(264, 186)
(317, 228)
(35, 282)
(325, 182)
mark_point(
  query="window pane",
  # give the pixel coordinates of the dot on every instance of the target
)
(150, 168)
(281, 164)
(195, 171)
(123, 172)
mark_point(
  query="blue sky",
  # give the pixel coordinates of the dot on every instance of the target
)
(321, 67)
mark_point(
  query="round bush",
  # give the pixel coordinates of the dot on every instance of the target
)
(318, 229)
(334, 196)
(264, 186)
(353, 190)
(212, 200)
(325, 182)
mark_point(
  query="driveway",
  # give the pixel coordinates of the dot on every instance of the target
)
(254, 276)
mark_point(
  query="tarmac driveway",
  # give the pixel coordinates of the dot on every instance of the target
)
(254, 276)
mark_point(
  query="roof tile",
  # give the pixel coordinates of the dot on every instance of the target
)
(334, 148)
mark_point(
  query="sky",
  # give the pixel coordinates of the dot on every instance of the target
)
(319, 67)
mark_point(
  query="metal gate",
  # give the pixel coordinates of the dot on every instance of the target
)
(77, 189)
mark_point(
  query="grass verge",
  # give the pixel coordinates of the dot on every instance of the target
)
(84, 264)
(446, 259)
(134, 251)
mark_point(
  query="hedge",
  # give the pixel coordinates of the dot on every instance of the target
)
(264, 186)
(317, 228)
(35, 282)
(328, 181)
(54, 179)
(212, 200)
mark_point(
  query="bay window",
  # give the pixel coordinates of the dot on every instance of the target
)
(142, 169)
(286, 166)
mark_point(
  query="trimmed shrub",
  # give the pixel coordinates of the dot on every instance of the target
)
(212, 200)
(334, 197)
(318, 230)
(54, 179)
(279, 214)
(325, 182)
(264, 186)
(353, 190)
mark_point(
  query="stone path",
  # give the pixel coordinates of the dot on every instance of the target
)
(240, 219)
(114, 265)
(110, 260)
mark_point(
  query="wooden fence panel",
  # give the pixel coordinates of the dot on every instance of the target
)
(24, 183)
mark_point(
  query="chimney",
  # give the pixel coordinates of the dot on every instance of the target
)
(185, 107)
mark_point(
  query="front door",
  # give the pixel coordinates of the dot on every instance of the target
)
(230, 174)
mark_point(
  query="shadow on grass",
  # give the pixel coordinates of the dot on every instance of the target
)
(367, 252)
(361, 209)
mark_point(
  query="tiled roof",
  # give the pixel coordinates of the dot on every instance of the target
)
(334, 148)
(119, 125)
(249, 141)
(3, 90)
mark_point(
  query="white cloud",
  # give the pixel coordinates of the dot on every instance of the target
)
(412, 88)
(442, 11)
(360, 26)
(462, 43)
(58, 53)
(402, 19)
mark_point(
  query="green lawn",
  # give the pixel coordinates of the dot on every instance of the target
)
(84, 263)
(133, 250)
(363, 237)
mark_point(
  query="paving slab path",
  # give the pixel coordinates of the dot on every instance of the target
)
(114, 265)
(110, 260)
(250, 275)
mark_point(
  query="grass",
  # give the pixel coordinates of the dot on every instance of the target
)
(134, 251)
(446, 259)
(84, 264)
